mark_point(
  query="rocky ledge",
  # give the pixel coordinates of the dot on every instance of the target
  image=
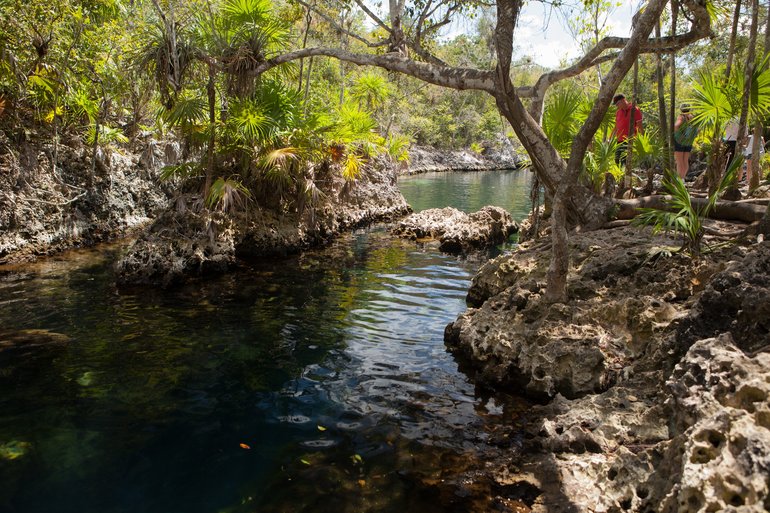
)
(500, 156)
(82, 202)
(187, 242)
(457, 231)
(654, 379)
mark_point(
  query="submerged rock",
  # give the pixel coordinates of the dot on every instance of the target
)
(457, 231)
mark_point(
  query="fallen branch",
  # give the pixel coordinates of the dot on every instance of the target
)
(724, 210)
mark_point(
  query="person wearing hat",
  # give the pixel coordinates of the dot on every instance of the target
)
(685, 132)
(626, 115)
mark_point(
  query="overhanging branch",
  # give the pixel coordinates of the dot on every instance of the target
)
(445, 76)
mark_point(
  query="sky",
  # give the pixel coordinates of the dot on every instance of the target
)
(541, 33)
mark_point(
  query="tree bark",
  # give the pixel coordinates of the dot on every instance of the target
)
(631, 129)
(751, 53)
(660, 75)
(212, 101)
(724, 210)
(733, 36)
(764, 224)
(672, 113)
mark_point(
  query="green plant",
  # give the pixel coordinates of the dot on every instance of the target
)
(599, 162)
(682, 216)
(227, 194)
(477, 148)
(562, 116)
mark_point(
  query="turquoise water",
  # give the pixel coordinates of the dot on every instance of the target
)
(315, 383)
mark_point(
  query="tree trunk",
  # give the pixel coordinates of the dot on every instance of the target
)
(764, 224)
(556, 290)
(212, 98)
(733, 35)
(751, 53)
(631, 130)
(672, 113)
(725, 210)
(660, 72)
(308, 20)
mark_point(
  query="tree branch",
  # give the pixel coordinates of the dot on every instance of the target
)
(442, 75)
(339, 28)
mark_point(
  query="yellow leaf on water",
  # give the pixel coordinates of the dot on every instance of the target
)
(361, 483)
(244, 446)
(321, 428)
(306, 462)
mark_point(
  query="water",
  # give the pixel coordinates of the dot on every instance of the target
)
(317, 383)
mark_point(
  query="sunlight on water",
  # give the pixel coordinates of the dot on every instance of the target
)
(317, 383)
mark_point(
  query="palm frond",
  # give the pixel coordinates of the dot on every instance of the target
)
(188, 111)
(228, 194)
(561, 118)
(351, 169)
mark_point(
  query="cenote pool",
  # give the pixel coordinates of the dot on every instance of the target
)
(316, 383)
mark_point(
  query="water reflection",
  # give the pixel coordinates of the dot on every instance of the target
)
(314, 383)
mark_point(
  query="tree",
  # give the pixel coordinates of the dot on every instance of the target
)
(410, 30)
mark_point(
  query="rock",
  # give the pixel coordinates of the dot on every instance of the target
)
(720, 400)
(188, 242)
(501, 156)
(42, 212)
(457, 231)
(624, 291)
(736, 300)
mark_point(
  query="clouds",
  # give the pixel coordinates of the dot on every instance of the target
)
(541, 33)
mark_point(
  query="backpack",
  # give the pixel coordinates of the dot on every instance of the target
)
(686, 134)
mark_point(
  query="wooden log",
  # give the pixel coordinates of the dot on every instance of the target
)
(724, 210)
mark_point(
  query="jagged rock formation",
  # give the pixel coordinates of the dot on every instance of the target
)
(664, 358)
(185, 243)
(514, 338)
(457, 231)
(423, 160)
(43, 212)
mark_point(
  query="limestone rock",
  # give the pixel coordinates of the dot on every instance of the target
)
(624, 291)
(496, 156)
(721, 405)
(736, 300)
(188, 242)
(458, 231)
(42, 212)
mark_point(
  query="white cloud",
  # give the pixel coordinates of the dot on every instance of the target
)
(541, 35)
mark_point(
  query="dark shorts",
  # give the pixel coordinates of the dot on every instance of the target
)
(679, 147)
(729, 150)
(621, 152)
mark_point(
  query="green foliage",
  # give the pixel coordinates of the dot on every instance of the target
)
(683, 217)
(599, 162)
(371, 90)
(562, 117)
(107, 135)
(648, 150)
(227, 194)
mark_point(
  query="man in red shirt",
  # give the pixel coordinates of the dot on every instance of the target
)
(623, 122)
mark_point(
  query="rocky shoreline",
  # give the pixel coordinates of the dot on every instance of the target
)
(654, 378)
(426, 160)
(43, 213)
(653, 381)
